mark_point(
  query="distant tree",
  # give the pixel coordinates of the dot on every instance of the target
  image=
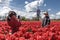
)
(23, 18)
(35, 19)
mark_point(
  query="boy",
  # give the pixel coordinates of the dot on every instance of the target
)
(46, 20)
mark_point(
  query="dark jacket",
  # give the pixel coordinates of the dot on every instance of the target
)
(46, 21)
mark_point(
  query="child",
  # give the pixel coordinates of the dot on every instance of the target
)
(13, 21)
(46, 20)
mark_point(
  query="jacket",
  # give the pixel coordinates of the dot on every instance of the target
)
(46, 21)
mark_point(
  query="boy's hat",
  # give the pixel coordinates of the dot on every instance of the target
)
(46, 13)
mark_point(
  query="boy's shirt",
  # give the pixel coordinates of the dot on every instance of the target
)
(46, 21)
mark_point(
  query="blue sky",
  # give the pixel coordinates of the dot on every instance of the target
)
(53, 4)
(24, 6)
(19, 3)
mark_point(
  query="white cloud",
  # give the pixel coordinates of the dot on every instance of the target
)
(4, 7)
(4, 10)
(49, 9)
(42, 15)
(10, 0)
(29, 15)
(0, 1)
(7, 2)
(58, 15)
(52, 16)
(26, 2)
(44, 5)
(24, 13)
(55, 16)
(33, 5)
(28, 7)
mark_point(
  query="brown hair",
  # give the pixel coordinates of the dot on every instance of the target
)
(11, 13)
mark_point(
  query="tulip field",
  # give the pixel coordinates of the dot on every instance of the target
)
(31, 30)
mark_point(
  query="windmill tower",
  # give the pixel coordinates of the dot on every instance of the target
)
(37, 12)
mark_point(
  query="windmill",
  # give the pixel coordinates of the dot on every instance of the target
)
(37, 11)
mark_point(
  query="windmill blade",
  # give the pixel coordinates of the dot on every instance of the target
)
(32, 11)
(42, 10)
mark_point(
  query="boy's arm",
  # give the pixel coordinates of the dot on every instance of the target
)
(48, 22)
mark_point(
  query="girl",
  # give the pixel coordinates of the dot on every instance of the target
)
(13, 21)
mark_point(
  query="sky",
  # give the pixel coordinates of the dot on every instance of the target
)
(23, 7)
